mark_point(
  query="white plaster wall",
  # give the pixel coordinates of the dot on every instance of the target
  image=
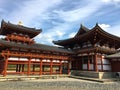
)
(12, 58)
(54, 60)
(105, 61)
(99, 67)
(84, 66)
(91, 67)
(70, 65)
(22, 59)
(106, 67)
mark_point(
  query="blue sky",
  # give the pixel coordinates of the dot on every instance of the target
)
(61, 19)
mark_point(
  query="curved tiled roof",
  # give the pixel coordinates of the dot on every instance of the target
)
(116, 55)
(82, 30)
(8, 28)
(97, 30)
(40, 47)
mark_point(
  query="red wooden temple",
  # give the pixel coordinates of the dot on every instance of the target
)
(89, 50)
(92, 50)
(19, 54)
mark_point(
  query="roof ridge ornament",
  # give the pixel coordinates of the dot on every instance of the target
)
(20, 23)
(82, 24)
(97, 24)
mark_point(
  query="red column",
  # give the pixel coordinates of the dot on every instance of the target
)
(95, 63)
(51, 66)
(68, 67)
(5, 66)
(60, 66)
(88, 65)
(29, 61)
(41, 67)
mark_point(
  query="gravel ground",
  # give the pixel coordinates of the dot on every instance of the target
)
(58, 84)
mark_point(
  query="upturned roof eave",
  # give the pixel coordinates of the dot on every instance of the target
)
(116, 55)
(82, 28)
(18, 28)
(63, 42)
(97, 28)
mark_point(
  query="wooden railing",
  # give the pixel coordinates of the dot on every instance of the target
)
(19, 39)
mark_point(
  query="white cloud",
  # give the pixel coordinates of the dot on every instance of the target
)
(115, 2)
(34, 12)
(114, 29)
(30, 10)
(105, 27)
(54, 33)
(70, 18)
(79, 13)
(71, 34)
(106, 1)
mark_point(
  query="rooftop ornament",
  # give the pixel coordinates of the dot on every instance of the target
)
(20, 23)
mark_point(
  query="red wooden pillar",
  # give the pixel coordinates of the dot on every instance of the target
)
(101, 64)
(88, 65)
(60, 66)
(41, 67)
(29, 61)
(5, 66)
(51, 66)
(68, 67)
(95, 63)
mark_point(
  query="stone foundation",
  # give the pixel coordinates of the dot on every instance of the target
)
(93, 74)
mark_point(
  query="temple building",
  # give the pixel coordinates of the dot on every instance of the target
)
(19, 54)
(89, 53)
(92, 52)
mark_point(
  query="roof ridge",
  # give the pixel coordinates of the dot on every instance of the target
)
(82, 30)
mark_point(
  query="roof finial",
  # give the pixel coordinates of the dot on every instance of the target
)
(96, 23)
(20, 23)
(81, 24)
